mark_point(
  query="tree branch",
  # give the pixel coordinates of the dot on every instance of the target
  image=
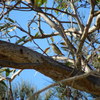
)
(57, 71)
(12, 77)
(84, 36)
(71, 79)
(85, 33)
(76, 16)
(5, 63)
(57, 27)
(15, 74)
(10, 9)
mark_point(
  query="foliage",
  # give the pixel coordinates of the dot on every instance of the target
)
(3, 90)
(23, 90)
(64, 93)
(20, 91)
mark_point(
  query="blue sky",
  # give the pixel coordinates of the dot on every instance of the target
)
(33, 77)
(37, 79)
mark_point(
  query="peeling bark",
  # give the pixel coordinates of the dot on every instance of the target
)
(20, 57)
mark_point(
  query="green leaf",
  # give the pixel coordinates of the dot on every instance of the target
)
(64, 48)
(68, 63)
(37, 34)
(7, 25)
(21, 39)
(9, 19)
(52, 39)
(98, 1)
(39, 2)
(10, 30)
(7, 71)
(63, 43)
(3, 83)
(99, 58)
(58, 7)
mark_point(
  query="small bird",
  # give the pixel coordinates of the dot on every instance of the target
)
(56, 49)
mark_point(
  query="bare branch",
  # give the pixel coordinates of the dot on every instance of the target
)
(15, 74)
(93, 29)
(96, 26)
(71, 79)
(10, 9)
(84, 36)
(65, 12)
(67, 32)
(96, 13)
(85, 33)
(76, 16)
(12, 77)
(57, 27)
(2, 78)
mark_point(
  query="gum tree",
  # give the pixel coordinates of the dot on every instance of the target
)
(72, 25)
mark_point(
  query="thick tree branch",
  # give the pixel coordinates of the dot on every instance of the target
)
(71, 79)
(57, 71)
(84, 36)
(5, 63)
(96, 26)
(59, 28)
(85, 33)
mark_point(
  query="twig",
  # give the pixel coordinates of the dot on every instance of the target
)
(85, 33)
(76, 16)
(57, 26)
(71, 79)
(15, 74)
(10, 9)
(84, 36)
(10, 91)
(12, 77)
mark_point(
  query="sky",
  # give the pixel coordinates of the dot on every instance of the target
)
(37, 79)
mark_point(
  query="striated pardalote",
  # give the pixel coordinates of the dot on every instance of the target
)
(56, 49)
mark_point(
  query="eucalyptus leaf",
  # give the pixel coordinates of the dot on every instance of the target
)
(10, 30)
(3, 83)
(9, 19)
(7, 71)
(46, 50)
(21, 39)
(39, 2)
(52, 39)
(37, 34)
